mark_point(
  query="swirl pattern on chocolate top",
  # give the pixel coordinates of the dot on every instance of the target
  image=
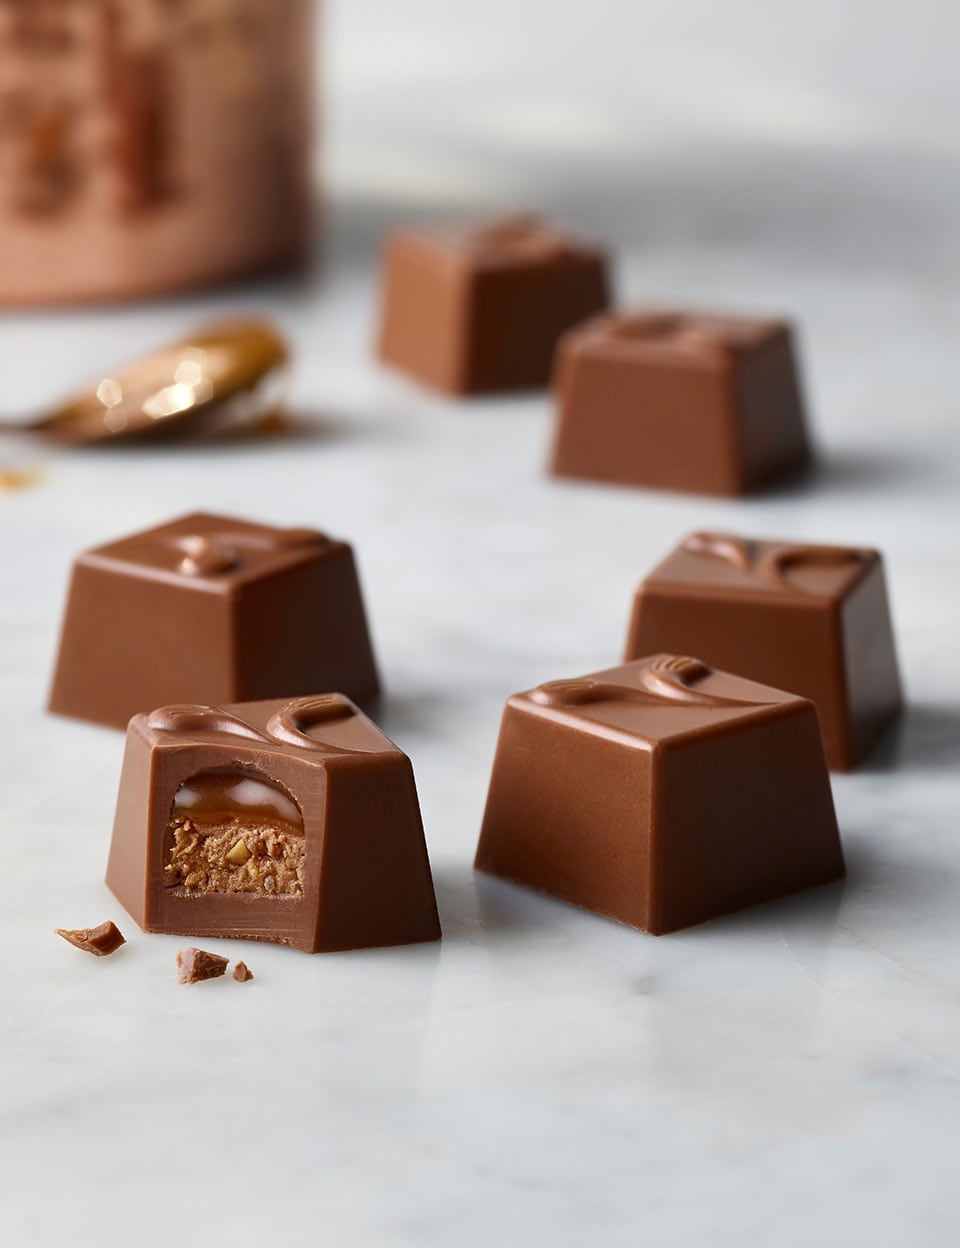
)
(206, 720)
(668, 680)
(773, 565)
(288, 726)
(216, 553)
(517, 235)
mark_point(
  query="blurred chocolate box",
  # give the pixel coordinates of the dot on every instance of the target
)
(151, 145)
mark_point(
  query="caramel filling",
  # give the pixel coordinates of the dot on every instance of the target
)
(234, 831)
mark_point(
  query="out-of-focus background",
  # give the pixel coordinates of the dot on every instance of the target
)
(772, 132)
(788, 1075)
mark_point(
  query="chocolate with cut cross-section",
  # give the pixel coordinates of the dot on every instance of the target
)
(211, 609)
(679, 401)
(812, 619)
(480, 309)
(289, 821)
(661, 793)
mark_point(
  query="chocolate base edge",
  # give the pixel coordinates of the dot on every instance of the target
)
(491, 873)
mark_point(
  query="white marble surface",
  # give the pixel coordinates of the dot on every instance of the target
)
(787, 1076)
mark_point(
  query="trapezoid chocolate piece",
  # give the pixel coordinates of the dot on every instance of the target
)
(294, 822)
(661, 794)
(479, 310)
(812, 619)
(211, 609)
(678, 400)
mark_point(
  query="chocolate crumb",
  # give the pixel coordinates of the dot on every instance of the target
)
(196, 964)
(99, 941)
(242, 972)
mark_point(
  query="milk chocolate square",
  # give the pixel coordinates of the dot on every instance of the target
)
(679, 401)
(811, 619)
(661, 793)
(479, 310)
(211, 609)
(294, 822)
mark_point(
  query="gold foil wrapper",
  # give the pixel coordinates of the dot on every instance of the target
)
(151, 145)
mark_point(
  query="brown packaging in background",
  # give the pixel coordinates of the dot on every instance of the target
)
(148, 146)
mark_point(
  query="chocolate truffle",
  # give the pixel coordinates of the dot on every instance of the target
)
(660, 794)
(679, 401)
(811, 619)
(294, 822)
(479, 310)
(210, 609)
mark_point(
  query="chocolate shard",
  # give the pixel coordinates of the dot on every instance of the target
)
(101, 940)
(679, 401)
(661, 794)
(194, 965)
(480, 310)
(242, 973)
(294, 822)
(210, 609)
(812, 619)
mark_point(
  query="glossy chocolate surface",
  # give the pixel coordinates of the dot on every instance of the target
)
(211, 609)
(679, 401)
(661, 794)
(479, 310)
(811, 619)
(323, 851)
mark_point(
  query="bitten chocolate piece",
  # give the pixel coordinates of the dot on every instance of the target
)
(295, 822)
(479, 310)
(101, 940)
(193, 965)
(210, 609)
(661, 794)
(679, 401)
(242, 973)
(811, 619)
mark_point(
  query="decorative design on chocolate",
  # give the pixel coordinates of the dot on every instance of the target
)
(700, 333)
(214, 553)
(289, 725)
(205, 556)
(291, 722)
(207, 720)
(774, 564)
(735, 550)
(520, 235)
(669, 679)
